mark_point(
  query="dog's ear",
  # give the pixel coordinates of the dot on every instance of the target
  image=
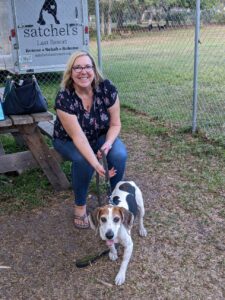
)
(127, 218)
(94, 218)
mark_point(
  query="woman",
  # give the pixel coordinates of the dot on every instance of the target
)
(88, 119)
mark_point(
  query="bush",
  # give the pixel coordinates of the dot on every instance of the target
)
(132, 27)
(220, 18)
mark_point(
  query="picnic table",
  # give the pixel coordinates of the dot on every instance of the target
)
(29, 129)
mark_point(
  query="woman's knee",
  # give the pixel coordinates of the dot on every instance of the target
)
(122, 155)
(118, 154)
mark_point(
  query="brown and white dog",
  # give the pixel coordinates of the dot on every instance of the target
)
(114, 222)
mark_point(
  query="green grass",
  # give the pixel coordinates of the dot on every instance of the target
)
(154, 73)
(206, 159)
(23, 192)
(203, 165)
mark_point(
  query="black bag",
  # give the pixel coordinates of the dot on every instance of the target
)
(23, 99)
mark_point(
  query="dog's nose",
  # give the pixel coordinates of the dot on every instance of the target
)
(109, 234)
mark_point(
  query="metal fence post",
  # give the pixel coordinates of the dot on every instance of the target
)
(195, 81)
(98, 34)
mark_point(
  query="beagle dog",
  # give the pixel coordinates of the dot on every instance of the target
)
(114, 222)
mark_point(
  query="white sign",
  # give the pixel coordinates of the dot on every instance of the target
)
(48, 31)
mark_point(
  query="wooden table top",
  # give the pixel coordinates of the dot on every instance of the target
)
(15, 120)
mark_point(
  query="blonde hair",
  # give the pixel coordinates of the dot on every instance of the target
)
(67, 82)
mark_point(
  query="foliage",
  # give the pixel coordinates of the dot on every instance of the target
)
(119, 10)
(205, 4)
(220, 18)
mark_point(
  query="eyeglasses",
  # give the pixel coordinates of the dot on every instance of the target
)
(78, 69)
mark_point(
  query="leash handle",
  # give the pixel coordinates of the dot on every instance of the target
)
(98, 190)
(105, 165)
(107, 178)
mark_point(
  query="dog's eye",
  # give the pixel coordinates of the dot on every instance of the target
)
(103, 220)
(116, 219)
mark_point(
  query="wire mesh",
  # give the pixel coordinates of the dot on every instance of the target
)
(148, 52)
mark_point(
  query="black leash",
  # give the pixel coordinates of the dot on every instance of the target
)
(107, 180)
(89, 259)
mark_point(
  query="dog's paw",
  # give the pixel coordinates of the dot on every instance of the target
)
(143, 231)
(120, 278)
(113, 256)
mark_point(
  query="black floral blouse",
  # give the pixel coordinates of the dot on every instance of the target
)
(93, 123)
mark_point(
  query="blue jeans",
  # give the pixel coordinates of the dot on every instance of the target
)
(82, 171)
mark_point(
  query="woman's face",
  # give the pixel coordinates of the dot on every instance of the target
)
(83, 72)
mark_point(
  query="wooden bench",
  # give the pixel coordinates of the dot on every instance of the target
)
(29, 129)
(46, 127)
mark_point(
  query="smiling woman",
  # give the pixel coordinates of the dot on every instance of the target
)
(88, 120)
(83, 74)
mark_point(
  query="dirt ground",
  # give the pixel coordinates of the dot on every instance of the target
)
(183, 256)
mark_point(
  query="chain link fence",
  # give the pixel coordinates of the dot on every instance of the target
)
(148, 52)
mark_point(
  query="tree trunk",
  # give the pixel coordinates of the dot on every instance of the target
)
(120, 19)
(102, 21)
(109, 23)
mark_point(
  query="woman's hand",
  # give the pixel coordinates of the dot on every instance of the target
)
(112, 172)
(105, 147)
(100, 169)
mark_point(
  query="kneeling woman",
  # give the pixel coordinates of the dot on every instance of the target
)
(88, 119)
